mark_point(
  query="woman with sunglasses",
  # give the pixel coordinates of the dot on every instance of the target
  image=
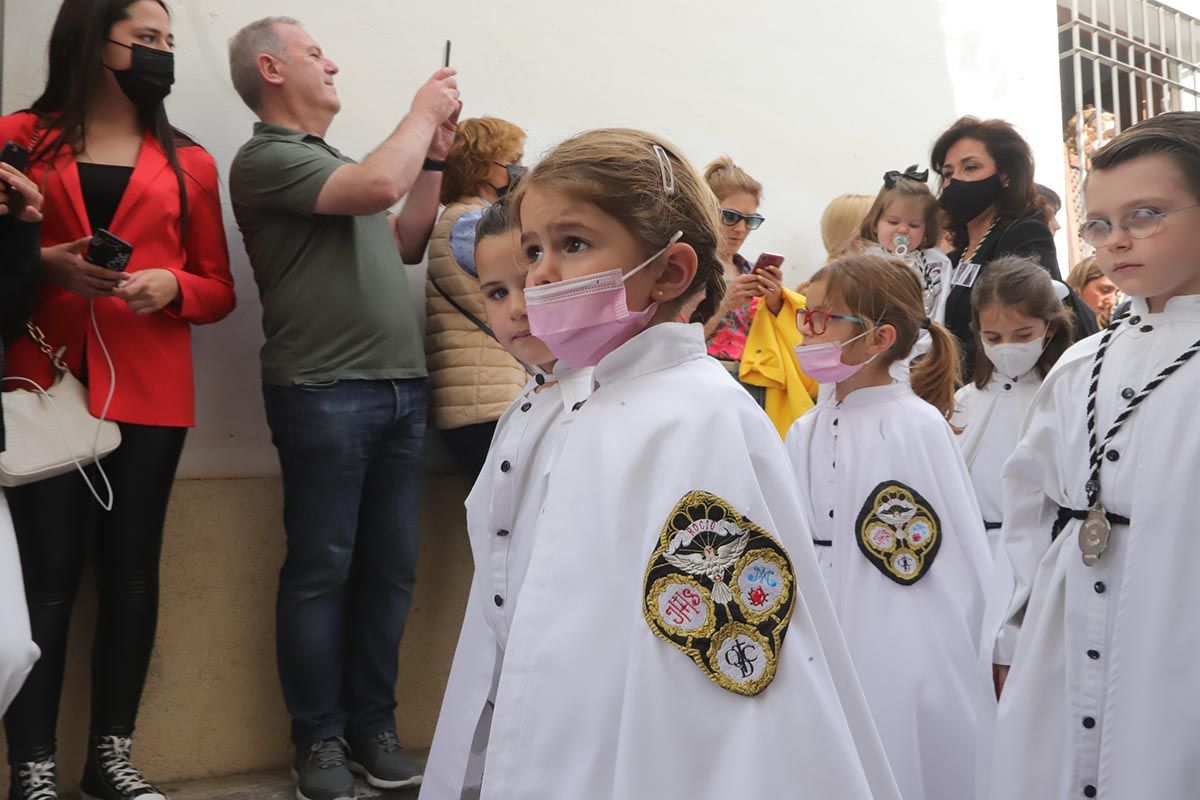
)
(739, 196)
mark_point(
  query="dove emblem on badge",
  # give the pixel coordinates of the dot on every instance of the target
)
(698, 550)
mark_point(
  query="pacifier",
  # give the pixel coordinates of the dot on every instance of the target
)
(900, 243)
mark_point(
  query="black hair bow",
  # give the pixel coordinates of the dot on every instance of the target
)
(891, 177)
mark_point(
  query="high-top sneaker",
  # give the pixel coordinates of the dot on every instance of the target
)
(34, 780)
(110, 775)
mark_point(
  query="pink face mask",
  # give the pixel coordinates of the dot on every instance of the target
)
(584, 319)
(823, 362)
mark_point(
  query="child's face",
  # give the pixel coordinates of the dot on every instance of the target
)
(564, 238)
(1001, 324)
(836, 330)
(901, 216)
(503, 284)
(1161, 266)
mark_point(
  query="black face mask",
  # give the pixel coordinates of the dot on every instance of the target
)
(148, 80)
(966, 200)
(515, 173)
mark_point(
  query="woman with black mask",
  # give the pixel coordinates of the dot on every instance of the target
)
(991, 208)
(107, 158)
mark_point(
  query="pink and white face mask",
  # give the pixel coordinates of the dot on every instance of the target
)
(584, 319)
(823, 362)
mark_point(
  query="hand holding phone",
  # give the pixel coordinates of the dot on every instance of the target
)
(15, 155)
(767, 260)
(19, 196)
(769, 271)
(63, 266)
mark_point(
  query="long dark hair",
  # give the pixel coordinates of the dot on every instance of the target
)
(1025, 285)
(1014, 159)
(79, 35)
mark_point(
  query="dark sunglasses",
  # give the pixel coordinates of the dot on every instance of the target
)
(731, 218)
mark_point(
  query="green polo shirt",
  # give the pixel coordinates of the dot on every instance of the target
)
(335, 294)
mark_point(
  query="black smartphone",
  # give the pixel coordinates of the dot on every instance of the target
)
(446, 59)
(108, 251)
(15, 155)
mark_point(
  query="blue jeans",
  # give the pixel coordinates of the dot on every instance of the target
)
(351, 454)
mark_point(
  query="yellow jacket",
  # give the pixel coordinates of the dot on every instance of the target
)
(768, 361)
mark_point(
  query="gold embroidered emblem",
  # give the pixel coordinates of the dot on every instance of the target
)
(721, 590)
(899, 532)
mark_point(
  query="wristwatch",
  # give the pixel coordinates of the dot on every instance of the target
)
(433, 165)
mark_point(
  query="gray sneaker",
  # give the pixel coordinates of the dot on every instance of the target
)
(382, 761)
(321, 772)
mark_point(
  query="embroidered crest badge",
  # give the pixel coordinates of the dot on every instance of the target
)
(899, 532)
(721, 590)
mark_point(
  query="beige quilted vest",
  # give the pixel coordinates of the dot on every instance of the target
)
(471, 378)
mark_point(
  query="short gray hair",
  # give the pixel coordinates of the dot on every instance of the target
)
(244, 49)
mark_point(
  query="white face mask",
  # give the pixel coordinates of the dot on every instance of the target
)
(1014, 360)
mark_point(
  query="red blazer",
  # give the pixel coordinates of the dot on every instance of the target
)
(152, 354)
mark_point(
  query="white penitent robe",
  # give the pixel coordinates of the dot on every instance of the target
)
(991, 420)
(902, 545)
(17, 650)
(1102, 698)
(674, 638)
(502, 514)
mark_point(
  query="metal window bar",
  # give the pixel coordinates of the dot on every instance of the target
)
(1128, 60)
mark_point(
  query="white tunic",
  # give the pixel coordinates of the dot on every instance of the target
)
(991, 421)
(914, 646)
(17, 650)
(591, 704)
(1102, 699)
(502, 513)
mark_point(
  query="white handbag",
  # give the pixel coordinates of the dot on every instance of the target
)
(50, 432)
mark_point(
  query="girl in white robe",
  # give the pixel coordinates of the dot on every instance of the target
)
(1022, 330)
(1101, 632)
(673, 637)
(502, 514)
(890, 504)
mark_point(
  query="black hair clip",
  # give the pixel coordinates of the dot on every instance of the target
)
(892, 177)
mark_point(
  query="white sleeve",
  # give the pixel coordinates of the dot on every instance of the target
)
(1029, 516)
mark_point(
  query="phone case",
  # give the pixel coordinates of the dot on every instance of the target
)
(109, 251)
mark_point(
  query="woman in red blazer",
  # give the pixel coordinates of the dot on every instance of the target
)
(106, 157)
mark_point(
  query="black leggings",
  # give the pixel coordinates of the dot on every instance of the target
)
(56, 520)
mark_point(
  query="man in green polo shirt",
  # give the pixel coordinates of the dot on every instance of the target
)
(343, 373)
